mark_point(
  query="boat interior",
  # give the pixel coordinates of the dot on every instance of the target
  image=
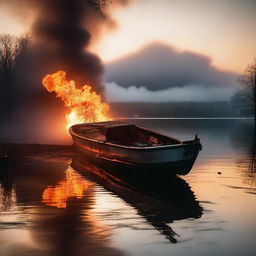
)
(123, 134)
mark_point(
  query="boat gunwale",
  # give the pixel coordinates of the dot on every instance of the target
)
(178, 145)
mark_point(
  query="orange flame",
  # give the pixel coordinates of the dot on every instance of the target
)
(85, 104)
(73, 186)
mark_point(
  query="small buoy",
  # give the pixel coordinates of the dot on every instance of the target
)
(219, 172)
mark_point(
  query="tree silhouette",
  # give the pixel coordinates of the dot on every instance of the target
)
(11, 48)
(245, 98)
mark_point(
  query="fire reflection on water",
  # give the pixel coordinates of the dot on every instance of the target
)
(73, 186)
(107, 220)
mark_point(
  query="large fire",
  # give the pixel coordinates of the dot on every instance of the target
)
(85, 105)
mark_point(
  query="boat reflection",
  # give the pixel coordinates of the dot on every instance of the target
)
(159, 201)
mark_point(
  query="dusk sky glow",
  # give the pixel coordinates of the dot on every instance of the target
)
(222, 31)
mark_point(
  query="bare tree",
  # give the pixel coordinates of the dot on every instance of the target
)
(98, 5)
(245, 98)
(11, 48)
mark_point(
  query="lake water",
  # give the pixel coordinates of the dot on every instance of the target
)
(49, 206)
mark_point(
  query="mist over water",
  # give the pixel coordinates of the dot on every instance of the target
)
(212, 213)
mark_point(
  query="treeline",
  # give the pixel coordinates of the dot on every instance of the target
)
(174, 109)
(12, 50)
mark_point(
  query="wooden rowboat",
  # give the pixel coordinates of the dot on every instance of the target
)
(127, 145)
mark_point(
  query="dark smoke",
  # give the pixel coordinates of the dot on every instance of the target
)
(61, 32)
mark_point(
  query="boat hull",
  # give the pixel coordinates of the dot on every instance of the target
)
(172, 159)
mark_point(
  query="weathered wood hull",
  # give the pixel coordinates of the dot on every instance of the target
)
(174, 159)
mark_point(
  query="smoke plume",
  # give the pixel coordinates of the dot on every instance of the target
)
(61, 32)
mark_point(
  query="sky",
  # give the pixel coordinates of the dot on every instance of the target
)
(221, 29)
(184, 49)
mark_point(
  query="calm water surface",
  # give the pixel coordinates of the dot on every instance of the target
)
(50, 206)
